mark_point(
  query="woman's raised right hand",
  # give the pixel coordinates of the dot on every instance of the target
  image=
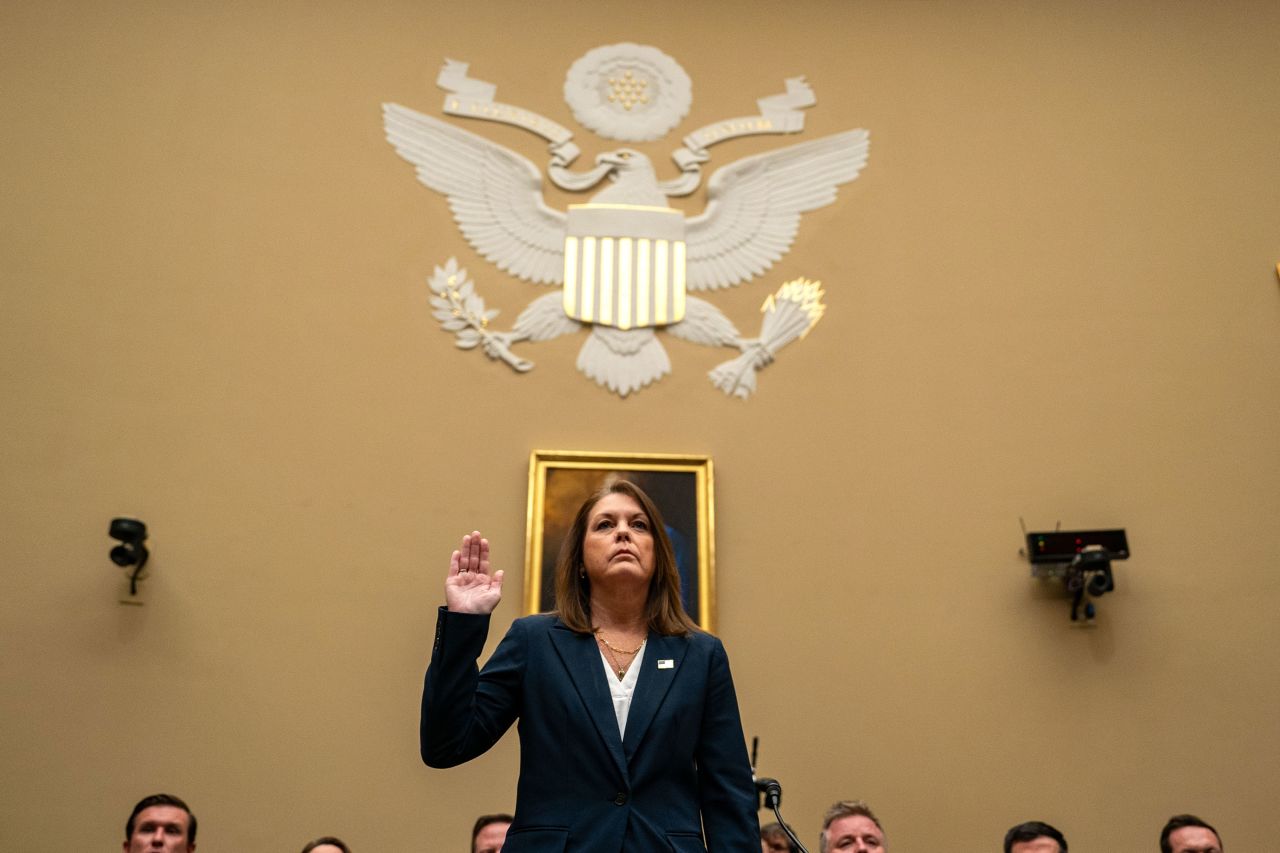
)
(470, 587)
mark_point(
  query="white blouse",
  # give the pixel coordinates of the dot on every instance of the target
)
(623, 690)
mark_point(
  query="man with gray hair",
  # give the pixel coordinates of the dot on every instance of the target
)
(851, 827)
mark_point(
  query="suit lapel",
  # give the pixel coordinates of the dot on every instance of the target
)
(659, 669)
(581, 658)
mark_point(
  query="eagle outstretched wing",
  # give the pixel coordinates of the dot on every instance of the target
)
(754, 206)
(494, 193)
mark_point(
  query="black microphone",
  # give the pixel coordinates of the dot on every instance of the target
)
(772, 791)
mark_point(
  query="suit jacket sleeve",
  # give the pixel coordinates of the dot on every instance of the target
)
(726, 792)
(465, 711)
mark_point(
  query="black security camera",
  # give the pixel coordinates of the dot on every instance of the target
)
(131, 552)
(1089, 572)
(1082, 559)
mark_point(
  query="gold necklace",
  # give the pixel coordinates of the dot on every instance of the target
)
(609, 649)
(614, 648)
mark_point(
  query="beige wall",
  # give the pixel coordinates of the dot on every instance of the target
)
(1052, 294)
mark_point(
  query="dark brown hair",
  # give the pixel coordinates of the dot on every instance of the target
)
(485, 820)
(330, 840)
(1181, 821)
(1030, 831)
(161, 800)
(664, 611)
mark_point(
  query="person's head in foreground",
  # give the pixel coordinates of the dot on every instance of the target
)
(327, 844)
(160, 823)
(490, 833)
(1034, 836)
(850, 826)
(1186, 833)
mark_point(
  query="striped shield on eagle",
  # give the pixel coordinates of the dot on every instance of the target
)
(624, 265)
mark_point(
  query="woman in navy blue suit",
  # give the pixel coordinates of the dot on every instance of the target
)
(630, 737)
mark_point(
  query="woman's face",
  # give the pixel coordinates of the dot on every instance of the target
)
(618, 545)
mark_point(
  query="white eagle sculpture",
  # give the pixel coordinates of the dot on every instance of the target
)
(750, 221)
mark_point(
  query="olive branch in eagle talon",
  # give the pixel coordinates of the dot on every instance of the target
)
(461, 310)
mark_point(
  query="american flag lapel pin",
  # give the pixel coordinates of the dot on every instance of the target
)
(666, 663)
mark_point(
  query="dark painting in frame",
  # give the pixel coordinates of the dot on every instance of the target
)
(680, 485)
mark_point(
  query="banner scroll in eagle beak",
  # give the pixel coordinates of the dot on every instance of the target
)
(472, 98)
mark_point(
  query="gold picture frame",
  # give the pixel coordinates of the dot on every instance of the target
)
(681, 486)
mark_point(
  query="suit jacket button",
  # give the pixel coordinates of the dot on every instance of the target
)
(620, 800)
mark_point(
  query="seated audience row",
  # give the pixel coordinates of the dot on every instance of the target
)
(850, 825)
(163, 823)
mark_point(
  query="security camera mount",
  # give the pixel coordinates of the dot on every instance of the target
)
(131, 552)
(1082, 560)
